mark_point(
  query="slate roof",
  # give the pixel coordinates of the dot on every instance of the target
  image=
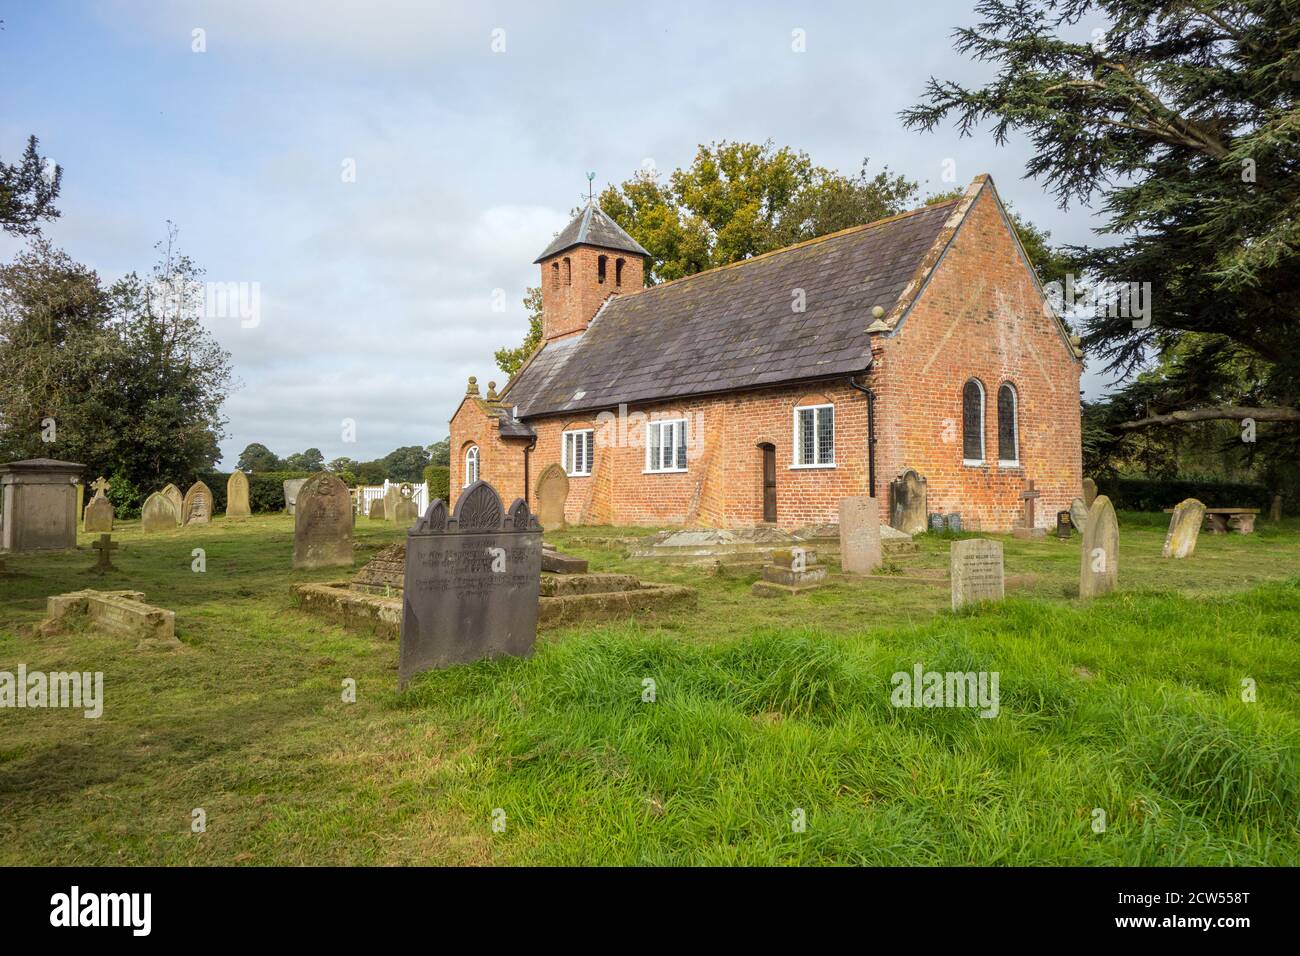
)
(592, 227)
(733, 327)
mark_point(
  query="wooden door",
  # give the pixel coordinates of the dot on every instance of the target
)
(769, 483)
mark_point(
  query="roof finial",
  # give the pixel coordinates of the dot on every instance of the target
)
(591, 177)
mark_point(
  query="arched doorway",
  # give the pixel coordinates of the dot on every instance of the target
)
(769, 481)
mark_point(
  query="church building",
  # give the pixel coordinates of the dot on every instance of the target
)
(767, 390)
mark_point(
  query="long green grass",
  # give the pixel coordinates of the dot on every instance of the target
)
(764, 713)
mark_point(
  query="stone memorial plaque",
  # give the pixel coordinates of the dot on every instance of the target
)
(908, 502)
(173, 494)
(976, 571)
(197, 507)
(1184, 528)
(860, 550)
(1099, 561)
(158, 513)
(472, 583)
(237, 495)
(322, 523)
(552, 492)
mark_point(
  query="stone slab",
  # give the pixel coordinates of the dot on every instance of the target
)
(860, 542)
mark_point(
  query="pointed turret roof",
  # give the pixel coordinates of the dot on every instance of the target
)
(592, 227)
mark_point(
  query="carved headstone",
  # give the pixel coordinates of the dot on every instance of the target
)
(158, 513)
(291, 488)
(472, 583)
(1089, 492)
(173, 494)
(197, 507)
(552, 491)
(976, 571)
(908, 502)
(1184, 528)
(99, 512)
(1079, 515)
(237, 495)
(1099, 559)
(860, 551)
(407, 511)
(322, 523)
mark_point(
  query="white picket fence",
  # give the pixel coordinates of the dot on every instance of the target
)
(370, 492)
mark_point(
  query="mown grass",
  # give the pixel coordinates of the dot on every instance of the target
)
(1131, 704)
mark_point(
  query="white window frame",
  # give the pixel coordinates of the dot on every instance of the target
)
(796, 444)
(1015, 426)
(569, 441)
(676, 424)
(471, 454)
(984, 408)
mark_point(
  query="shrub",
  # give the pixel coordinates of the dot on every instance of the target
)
(1155, 494)
(266, 490)
(125, 496)
(437, 478)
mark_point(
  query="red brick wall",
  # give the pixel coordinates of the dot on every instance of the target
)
(980, 315)
(570, 301)
(501, 461)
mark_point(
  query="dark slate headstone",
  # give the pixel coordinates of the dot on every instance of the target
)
(936, 521)
(1064, 524)
(953, 521)
(472, 583)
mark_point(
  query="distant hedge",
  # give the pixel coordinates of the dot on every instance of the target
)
(437, 478)
(1154, 494)
(265, 489)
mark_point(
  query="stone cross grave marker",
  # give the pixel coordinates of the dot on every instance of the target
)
(237, 495)
(908, 502)
(860, 549)
(322, 523)
(1099, 558)
(99, 512)
(1184, 528)
(1027, 528)
(472, 583)
(407, 511)
(976, 571)
(105, 546)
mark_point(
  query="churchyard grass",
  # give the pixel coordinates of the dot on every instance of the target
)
(1130, 704)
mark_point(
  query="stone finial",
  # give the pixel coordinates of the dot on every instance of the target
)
(471, 389)
(877, 311)
(492, 391)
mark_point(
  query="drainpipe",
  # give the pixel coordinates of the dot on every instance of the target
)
(527, 448)
(871, 432)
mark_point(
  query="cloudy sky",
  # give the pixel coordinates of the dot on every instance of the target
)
(376, 295)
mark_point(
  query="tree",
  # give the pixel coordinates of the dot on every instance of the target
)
(27, 192)
(309, 460)
(440, 452)
(406, 463)
(337, 465)
(257, 457)
(1180, 119)
(512, 360)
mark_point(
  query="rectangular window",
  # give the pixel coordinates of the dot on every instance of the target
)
(579, 447)
(665, 445)
(814, 436)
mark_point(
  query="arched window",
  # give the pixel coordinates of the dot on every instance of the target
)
(1008, 425)
(555, 275)
(568, 271)
(618, 272)
(601, 262)
(471, 465)
(972, 422)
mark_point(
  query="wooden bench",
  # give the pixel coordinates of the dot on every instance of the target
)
(1219, 520)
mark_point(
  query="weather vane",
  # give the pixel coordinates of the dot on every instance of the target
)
(590, 179)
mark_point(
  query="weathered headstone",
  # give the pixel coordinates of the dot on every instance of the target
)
(291, 488)
(1079, 515)
(908, 502)
(322, 523)
(472, 583)
(40, 504)
(158, 513)
(99, 512)
(237, 495)
(1089, 492)
(1099, 559)
(1028, 527)
(173, 494)
(105, 546)
(976, 571)
(392, 498)
(119, 612)
(860, 551)
(953, 522)
(552, 492)
(377, 509)
(1184, 528)
(197, 506)
(407, 511)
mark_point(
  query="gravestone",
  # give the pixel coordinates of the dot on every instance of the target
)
(291, 488)
(105, 546)
(392, 498)
(1089, 492)
(1064, 525)
(197, 506)
(552, 492)
(908, 501)
(322, 523)
(407, 511)
(158, 513)
(472, 583)
(1079, 515)
(792, 571)
(1099, 558)
(173, 494)
(237, 495)
(1184, 528)
(976, 571)
(1028, 527)
(118, 612)
(936, 522)
(860, 551)
(99, 512)
(377, 509)
(1275, 509)
(40, 504)
(953, 522)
